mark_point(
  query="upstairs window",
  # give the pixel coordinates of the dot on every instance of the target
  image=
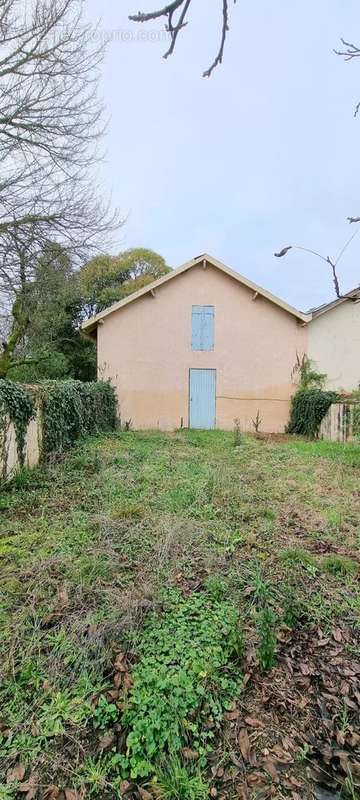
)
(202, 328)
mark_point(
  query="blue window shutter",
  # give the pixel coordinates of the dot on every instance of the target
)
(202, 327)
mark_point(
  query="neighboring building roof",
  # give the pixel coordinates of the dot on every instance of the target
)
(90, 325)
(353, 295)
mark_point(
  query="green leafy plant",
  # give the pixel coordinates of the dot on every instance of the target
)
(266, 623)
(72, 409)
(7, 792)
(216, 586)
(173, 781)
(93, 775)
(262, 587)
(183, 677)
(310, 403)
(305, 371)
(17, 405)
(106, 714)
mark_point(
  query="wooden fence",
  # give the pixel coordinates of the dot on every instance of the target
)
(338, 424)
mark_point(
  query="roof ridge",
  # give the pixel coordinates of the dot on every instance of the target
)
(90, 325)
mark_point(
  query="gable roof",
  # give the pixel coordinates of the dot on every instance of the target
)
(353, 295)
(90, 325)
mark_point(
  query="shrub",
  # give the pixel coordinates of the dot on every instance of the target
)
(17, 404)
(72, 409)
(308, 408)
(309, 378)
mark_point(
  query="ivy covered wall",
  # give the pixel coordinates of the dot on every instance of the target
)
(50, 417)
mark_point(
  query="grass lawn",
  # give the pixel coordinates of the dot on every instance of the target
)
(180, 620)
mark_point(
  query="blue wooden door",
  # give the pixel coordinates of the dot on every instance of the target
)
(202, 398)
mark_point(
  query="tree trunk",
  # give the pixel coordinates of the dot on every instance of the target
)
(18, 329)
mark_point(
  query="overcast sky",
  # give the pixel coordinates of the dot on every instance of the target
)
(264, 154)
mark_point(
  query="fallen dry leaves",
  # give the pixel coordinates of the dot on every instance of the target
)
(305, 733)
(29, 787)
(16, 773)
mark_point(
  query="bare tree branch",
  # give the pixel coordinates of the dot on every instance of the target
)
(174, 28)
(333, 263)
(225, 27)
(352, 51)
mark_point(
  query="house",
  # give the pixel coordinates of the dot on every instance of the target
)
(334, 341)
(200, 347)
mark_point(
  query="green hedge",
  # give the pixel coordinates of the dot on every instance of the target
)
(308, 408)
(69, 409)
(72, 409)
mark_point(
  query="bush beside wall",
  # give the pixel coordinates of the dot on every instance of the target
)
(72, 409)
(308, 408)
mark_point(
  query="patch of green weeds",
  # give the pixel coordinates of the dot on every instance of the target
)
(335, 518)
(174, 781)
(58, 710)
(216, 587)
(266, 626)
(7, 792)
(348, 454)
(296, 556)
(266, 619)
(185, 676)
(93, 776)
(106, 714)
(262, 587)
(340, 566)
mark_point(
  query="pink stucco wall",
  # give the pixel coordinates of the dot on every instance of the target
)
(145, 348)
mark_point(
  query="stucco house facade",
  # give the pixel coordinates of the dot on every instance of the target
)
(334, 341)
(200, 347)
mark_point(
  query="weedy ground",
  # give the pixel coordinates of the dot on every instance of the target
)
(180, 619)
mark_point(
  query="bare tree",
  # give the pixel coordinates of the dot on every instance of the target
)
(176, 15)
(50, 129)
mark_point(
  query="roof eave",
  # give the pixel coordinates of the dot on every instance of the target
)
(91, 324)
(353, 295)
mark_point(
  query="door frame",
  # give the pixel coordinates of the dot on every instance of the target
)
(209, 369)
